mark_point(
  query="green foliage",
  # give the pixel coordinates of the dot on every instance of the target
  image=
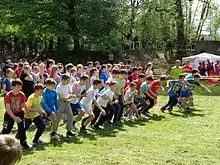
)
(98, 25)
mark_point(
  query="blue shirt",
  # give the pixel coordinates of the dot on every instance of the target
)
(176, 85)
(50, 101)
(103, 76)
(8, 84)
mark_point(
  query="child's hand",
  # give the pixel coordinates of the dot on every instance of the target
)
(84, 95)
(116, 102)
(209, 91)
(18, 119)
(103, 112)
(53, 116)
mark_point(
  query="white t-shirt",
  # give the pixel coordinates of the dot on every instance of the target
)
(63, 90)
(92, 79)
(149, 72)
(129, 96)
(91, 95)
(77, 89)
(110, 79)
(102, 102)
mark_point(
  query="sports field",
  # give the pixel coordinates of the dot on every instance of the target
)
(178, 139)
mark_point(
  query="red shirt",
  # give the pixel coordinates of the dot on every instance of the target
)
(187, 69)
(154, 88)
(134, 76)
(138, 84)
(16, 101)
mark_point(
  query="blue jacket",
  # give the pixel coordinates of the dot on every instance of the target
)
(50, 101)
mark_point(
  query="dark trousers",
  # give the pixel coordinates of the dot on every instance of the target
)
(109, 113)
(173, 100)
(9, 123)
(147, 98)
(119, 109)
(96, 112)
(39, 123)
(100, 119)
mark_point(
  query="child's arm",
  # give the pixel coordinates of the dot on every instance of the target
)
(99, 107)
(205, 88)
(44, 104)
(4, 89)
(56, 102)
(10, 113)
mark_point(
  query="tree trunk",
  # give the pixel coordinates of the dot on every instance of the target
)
(181, 45)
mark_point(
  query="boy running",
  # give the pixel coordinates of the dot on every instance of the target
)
(64, 92)
(50, 105)
(15, 103)
(87, 101)
(152, 92)
(33, 113)
(173, 93)
(79, 90)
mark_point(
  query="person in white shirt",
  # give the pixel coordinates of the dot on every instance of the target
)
(129, 100)
(148, 69)
(64, 93)
(105, 100)
(87, 101)
(93, 75)
(79, 90)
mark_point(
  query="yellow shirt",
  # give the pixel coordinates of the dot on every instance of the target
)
(34, 102)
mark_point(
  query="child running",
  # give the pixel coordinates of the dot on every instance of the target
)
(15, 103)
(87, 101)
(64, 93)
(33, 113)
(186, 97)
(152, 93)
(129, 100)
(79, 90)
(173, 93)
(50, 105)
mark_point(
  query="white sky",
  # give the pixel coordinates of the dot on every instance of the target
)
(195, 2)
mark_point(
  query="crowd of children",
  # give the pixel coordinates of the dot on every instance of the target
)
(92, 95)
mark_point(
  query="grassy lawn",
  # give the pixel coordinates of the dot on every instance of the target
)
(178, 139)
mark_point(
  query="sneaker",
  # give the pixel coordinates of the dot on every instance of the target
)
(97, 127)
(188, 110)
(38, 142)
(162, 109)
(25, 146)
(179, 105)
(83, 130)
(76, 128)
(70, 134)
(55, 137)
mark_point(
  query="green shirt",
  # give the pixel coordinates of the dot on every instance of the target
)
(175, 72)
(35, 105)
(120, 85)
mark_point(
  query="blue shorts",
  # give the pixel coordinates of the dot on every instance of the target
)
(77, 106)
(185, 93)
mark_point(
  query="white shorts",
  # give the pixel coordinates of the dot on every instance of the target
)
(88, 109)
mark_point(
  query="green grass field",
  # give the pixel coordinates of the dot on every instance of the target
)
(178, 139)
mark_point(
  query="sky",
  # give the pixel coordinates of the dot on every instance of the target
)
(217, 2)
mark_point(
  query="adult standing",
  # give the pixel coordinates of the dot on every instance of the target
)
(27, 80)
(187, 68)
(176, 70)
(149, 69)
